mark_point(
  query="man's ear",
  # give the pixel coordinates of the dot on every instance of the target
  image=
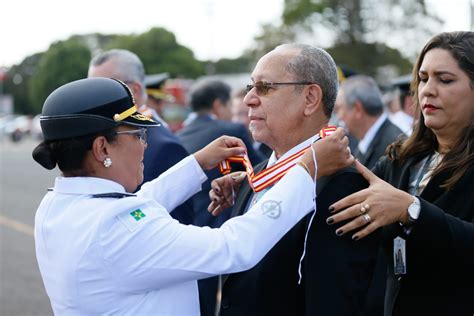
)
(100, 149)
(219, 109)
(358, 109)
(137, 90)
(314, 99)
(216, 106)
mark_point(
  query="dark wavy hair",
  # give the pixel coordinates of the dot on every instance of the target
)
(68, 154)
(423, 141)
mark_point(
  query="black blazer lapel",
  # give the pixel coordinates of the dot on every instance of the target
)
(433, 189)
(374, 147)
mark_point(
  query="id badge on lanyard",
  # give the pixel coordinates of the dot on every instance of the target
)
(399, 256)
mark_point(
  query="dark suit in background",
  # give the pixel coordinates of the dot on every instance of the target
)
(163, 151)
(336, 270)
(386, 135)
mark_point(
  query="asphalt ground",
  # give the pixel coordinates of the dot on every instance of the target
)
(23, 183)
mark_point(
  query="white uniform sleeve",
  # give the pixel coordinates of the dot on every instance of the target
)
(160, 252)
(175, 185)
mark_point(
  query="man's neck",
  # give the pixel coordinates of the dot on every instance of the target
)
(204, 112)
(365, 125)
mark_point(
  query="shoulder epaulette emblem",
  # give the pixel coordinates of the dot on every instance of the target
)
(113, 195)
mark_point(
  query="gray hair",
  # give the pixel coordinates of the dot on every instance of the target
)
(364, 89)
(130, 67)
(314, 64)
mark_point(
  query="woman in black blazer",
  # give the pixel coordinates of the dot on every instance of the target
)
(427, 206)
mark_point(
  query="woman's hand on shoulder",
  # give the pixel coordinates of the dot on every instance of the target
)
(379, 205)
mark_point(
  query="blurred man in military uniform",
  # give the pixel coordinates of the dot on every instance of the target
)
(164, 149)
(157, 97)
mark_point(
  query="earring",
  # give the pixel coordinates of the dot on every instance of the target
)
(107, 162)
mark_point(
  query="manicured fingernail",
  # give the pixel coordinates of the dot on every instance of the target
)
(339, 232)
(331, 209)
(330, 220)
(217, 190)
(355, 237)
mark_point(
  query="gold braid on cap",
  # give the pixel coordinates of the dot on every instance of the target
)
(340, 74)
(157, 93)
(122, 116)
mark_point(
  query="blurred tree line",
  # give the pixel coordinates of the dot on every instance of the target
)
(362, 36)
(38, 75)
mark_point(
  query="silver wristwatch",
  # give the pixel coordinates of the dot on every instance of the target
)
(413, 211)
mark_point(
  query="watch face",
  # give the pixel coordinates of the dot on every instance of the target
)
(414, 209)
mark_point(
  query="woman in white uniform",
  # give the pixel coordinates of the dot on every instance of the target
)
(103, 250)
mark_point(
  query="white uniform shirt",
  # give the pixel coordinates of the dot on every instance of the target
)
(403, 121)
(127, 256)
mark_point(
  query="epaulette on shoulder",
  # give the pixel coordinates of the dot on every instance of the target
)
(113, 195)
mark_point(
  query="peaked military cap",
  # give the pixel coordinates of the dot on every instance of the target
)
(89, 106)
(154, 86)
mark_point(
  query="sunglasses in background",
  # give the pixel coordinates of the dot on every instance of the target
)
(263, 87)
(140, 133)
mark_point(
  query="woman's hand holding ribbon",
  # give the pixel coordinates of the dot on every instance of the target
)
(332, 154)
(218, 150)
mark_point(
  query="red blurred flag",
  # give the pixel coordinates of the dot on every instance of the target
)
(3, 74)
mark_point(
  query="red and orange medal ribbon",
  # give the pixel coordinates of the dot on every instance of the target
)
(269, 176)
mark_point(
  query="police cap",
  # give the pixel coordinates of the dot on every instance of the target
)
(154, 86)
(89, 106)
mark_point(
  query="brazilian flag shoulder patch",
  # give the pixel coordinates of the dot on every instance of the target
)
(137, 214)
(132, 220)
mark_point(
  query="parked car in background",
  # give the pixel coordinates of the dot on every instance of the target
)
(35, 131)
(16, 127)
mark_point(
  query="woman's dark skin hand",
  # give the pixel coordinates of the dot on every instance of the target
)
(223, 191)
(332, 154)
(218, 150)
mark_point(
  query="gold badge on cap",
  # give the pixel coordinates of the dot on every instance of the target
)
(141, 117)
